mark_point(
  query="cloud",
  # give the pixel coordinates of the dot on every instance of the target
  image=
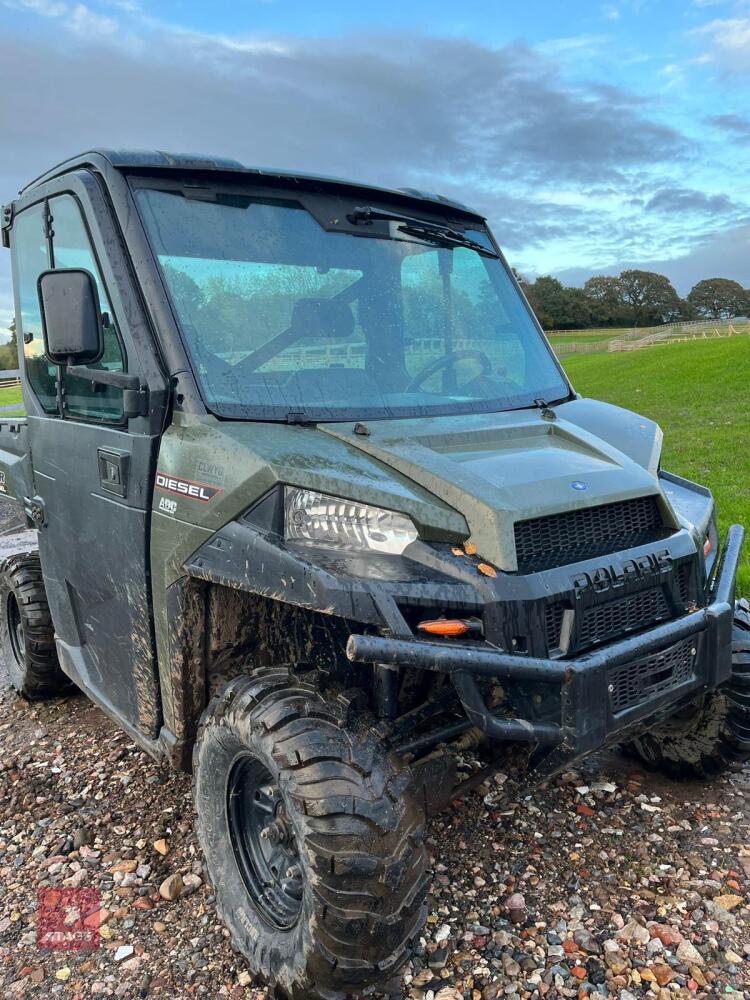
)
(679, 200)
(389, 108)
(77, 18)
(553, 164)
(729, 44)
(720, 255)
(572, 45)
(735, 125)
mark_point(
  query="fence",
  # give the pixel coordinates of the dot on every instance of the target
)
(668, 337)
(579, 347)
(639, 337)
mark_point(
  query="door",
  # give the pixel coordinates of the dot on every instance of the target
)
(92, 473)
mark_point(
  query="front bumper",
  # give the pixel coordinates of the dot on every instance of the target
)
(594, 699)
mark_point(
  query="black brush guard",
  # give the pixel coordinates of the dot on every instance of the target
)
(589, 715)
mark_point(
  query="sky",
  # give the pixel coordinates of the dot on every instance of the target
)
(594, 136)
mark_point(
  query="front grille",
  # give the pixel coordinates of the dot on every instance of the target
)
(633, 683)
(560, 539)
(617, 618)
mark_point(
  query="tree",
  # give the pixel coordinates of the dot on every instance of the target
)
(558, 307)
(606, 299)
(9, 351)
(719, 298)
(651, 297)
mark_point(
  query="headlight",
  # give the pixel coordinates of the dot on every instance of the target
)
(317, 519)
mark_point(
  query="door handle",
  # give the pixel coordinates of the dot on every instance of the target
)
(113, 470)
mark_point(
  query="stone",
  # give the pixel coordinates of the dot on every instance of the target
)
(633, 931)
(63, 974)
(123, 952)
(668, 936)
(654, 947)
(729, 901)
(515, 904)
(688, 954)
(663, 974)
(123, 867)
(171, 887)
(82, 836)
(698, 976)
(190, 883)
(161, 846)
(586, 941)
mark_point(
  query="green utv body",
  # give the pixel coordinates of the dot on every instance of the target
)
(311, 506)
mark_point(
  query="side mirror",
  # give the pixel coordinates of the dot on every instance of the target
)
(71, 316)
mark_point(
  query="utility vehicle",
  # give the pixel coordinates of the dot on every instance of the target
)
(311, 504)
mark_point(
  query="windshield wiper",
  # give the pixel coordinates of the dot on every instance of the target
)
(546, 407)
(434, 232)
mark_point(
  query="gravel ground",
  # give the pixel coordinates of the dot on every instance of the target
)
(607, 881)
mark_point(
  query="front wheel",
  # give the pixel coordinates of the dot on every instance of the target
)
(312, 837)
(712, 733)
(27, 636)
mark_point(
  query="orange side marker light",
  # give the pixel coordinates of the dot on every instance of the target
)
(445, 627)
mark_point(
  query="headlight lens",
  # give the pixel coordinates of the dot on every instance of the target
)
(314, 518)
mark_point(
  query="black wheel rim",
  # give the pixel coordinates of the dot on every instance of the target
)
(264, 844)
(15, 629)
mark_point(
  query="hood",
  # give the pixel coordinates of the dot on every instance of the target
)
(458, 478)
(500, 468)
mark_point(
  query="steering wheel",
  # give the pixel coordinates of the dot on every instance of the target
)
(448, 360)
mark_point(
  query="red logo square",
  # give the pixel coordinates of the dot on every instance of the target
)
(68, 919)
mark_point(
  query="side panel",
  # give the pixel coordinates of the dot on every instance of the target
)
(15, 460)
(94, 550)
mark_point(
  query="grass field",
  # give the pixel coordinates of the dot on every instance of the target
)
(11, 396)
(699, 393)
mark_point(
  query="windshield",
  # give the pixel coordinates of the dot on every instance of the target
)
(286, 320)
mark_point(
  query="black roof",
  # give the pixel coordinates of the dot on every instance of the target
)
(156, 160)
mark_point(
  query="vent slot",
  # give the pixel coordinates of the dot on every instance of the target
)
(553, 618)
